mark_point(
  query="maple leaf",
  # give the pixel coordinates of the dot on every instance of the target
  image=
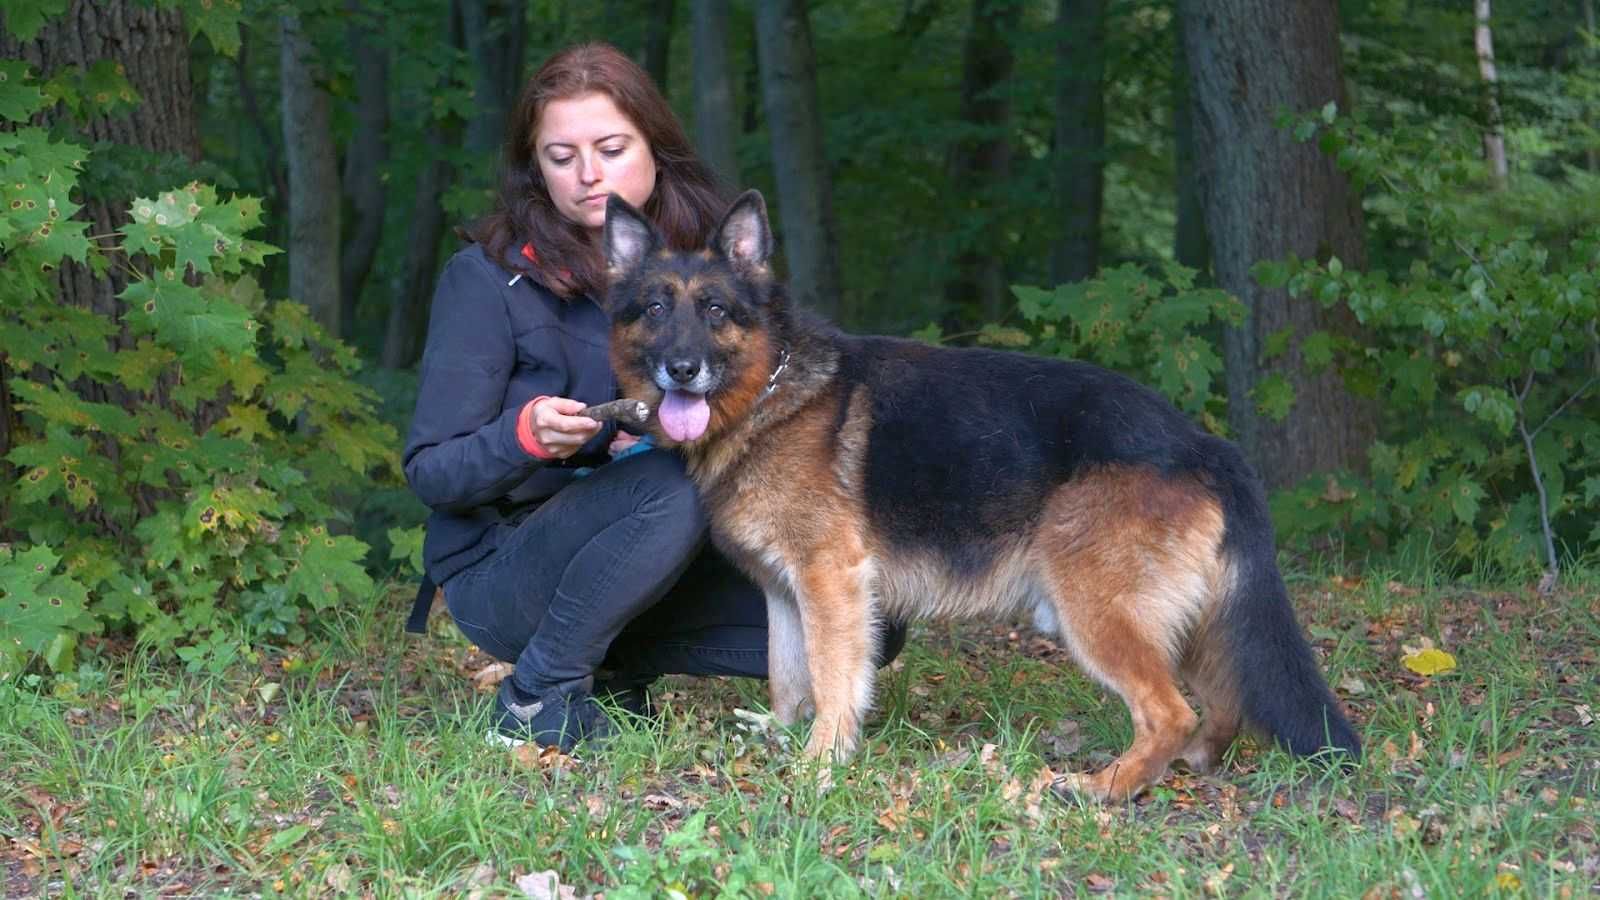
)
(36, 605)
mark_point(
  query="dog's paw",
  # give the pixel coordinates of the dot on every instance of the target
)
(1081, 785)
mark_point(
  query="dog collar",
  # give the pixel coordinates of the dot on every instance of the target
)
(772, 380)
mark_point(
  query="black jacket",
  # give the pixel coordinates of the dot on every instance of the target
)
(494, 343)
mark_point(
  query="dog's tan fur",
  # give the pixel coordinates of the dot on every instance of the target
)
(1129, 562)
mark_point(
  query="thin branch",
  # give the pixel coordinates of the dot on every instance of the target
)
(1568, 402)
(1544, 501)
(1475, 261)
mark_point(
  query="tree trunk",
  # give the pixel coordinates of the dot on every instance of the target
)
(364, 159)
(1191, 247)
(713, 89)
(1080, 135)
(495, 32)
(794, 120)
(1591, 154)
(151, 47)
(407, 327)
(1494, 139)
(656, 50)
(1267, 196)
(980, 164)
(406, 330)
(313, 177)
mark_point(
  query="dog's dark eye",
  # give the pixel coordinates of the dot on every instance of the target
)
(716, 313)
(655, 310)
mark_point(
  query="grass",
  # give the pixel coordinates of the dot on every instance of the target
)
(356, 766)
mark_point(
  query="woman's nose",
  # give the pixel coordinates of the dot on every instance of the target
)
(589, 170)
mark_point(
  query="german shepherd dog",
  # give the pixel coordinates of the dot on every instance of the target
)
(860, 479)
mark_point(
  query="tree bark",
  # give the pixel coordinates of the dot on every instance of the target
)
(713, 89)
(1494, 139)
(1591, 155)
(313, 177)
(495, 32)
(1190, 247)
(1080, 135)
(656, 51)
(794, 121)
(980, 164)
(1267, 196)
(406, 330)
(364, 159)
(151, 46)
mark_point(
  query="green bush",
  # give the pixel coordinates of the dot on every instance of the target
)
(173, 466)
(1484, 353)
(1156, 327)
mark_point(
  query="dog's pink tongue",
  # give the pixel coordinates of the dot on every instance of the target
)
(683, 415)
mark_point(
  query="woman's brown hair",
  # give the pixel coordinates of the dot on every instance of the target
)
(686, 204)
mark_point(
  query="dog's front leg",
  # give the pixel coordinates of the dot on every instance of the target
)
(788, 676)
(836, 613)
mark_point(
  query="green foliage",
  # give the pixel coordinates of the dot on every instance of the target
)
(176, 461)
(1158, 328)
(689, 863)
(1484, 348)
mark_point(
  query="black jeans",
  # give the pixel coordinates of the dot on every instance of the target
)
(615, 570)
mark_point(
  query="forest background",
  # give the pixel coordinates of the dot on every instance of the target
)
(1359, 238)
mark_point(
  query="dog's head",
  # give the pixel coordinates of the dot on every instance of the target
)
(693, 333)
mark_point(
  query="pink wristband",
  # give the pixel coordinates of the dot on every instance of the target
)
(525, 436)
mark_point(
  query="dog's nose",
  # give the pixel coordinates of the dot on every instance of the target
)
(683, 371)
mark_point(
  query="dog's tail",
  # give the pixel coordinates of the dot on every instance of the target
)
(1281, 689)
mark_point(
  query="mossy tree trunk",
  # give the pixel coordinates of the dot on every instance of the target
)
(313, 160)
(713, 90)
(1080, 136)
(980, 163)
(794, 120)
(1267, 196)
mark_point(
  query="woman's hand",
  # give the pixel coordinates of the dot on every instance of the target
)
(558, 428)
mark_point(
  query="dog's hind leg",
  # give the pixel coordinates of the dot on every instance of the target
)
(1130, 559)
(1118, 651)
(1206, 669)
(788, 674)
(836, 612)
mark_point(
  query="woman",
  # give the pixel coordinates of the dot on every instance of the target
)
(550, 555)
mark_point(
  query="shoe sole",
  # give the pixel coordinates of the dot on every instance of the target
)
(503, 741)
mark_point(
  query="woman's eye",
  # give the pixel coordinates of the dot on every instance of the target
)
(560, 161)
(655, 310)
(612, 152)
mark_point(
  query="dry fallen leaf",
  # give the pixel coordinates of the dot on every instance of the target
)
(1099, 884)
(491, 675)
(533, 756)
(1353, 686)
(338, 877)
(895, 816)
(545, 885)
(1585, 715)
(1216, 883)
(661, 802)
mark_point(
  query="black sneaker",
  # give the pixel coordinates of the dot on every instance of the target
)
(564, 716)
(629, 695)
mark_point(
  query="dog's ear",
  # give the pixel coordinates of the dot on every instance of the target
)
(629, 237)
(744, 235)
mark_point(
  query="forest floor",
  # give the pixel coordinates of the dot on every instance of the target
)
(356, 766)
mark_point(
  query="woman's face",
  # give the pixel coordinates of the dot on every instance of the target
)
(588, 149)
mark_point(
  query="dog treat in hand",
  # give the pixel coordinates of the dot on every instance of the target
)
(627, 412)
